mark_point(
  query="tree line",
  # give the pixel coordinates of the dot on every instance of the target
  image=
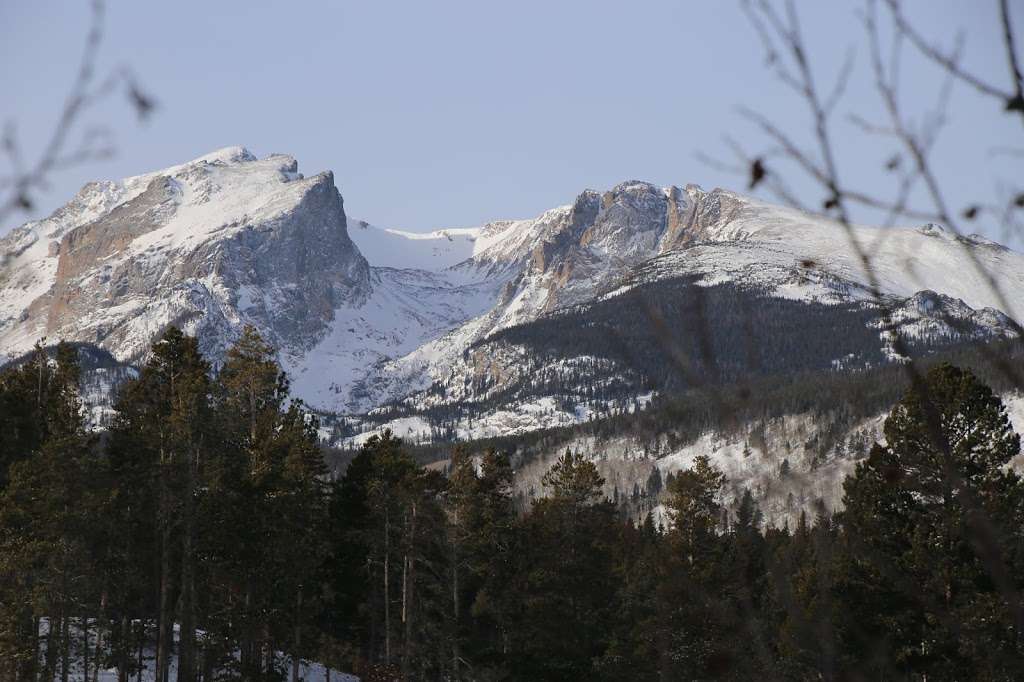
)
(202, 537)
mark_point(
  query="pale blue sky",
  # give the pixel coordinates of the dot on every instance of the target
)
(452, 113)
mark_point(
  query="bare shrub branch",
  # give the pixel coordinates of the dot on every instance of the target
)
(62, 151)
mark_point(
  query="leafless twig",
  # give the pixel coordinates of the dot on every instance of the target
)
(788, 57)
(61, 151)
(1013, 99)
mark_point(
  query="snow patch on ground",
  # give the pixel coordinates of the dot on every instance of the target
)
(309, 671)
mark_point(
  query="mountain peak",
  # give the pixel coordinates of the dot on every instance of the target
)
(226, 155)
(229, 239)
(217, 242)
(634, 186)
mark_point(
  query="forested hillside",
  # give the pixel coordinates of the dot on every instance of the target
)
(207, 509)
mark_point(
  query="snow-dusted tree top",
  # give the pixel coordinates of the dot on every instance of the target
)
(363, 315)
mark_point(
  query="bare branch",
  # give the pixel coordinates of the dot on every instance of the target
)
(948, 62)
(790, 147)
(842, 81)
(827, 173)
(772, 180)
(772, 55)
(718, 165)
(1016, 103)
(96, 142)
(919, 149)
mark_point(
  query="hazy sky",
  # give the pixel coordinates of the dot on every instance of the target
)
(452, 113)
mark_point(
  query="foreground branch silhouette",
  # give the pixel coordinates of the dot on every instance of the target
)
(72, 142)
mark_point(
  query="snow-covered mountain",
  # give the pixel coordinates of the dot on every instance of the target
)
(502, 328)
(208, 245)
(605, 258)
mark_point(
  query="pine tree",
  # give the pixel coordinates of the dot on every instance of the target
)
(301, 536)
(567, 575)
(494, 557)
(801, 604)
(481, 537)
(158, 443)
(461, 503)
(693, 628)
(48, 539)
(393, 554)
(33, 403)
(267, 485)
(346, 614)
(632, 651)
(934, 526)
(694, 504)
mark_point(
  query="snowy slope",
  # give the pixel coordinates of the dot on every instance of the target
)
(417, 250)
(606, 244)
(811, 257)
(751, 456)
(499, 242)
(638, 234)
(365, 316)
(210, 245)
(406, 309)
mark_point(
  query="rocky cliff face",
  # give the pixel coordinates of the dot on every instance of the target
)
(567, 256)
(589, 310)
(229, 239)
(210, 245)
(625, 258)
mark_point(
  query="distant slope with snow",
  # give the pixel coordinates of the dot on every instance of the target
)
(578, 257)
(416, 250)
(367, 318)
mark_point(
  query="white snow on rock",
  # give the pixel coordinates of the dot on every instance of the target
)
(123, 260)
(366, 316)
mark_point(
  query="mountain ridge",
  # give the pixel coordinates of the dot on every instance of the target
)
(230, 239)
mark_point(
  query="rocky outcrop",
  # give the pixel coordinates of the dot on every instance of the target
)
(695, 216)
(228, 240)
(82, 253)
(210, 245)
